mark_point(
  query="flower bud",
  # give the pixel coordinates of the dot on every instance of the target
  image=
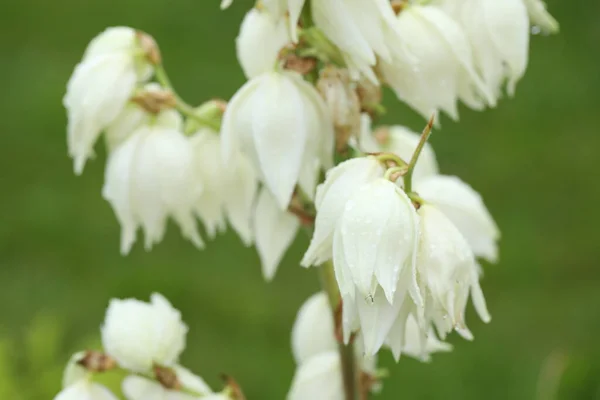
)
(260, 39)
(435, 67)
(340, 184)
(150, 177)
(341, 98)
(140, 335)
(100, 87)
(465, 208)
(281, 123)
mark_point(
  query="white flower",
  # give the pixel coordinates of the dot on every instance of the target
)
(499, 35)
(314, 331)
(448, 273)
(438, 68)
(274, 232)
(407, 338)
(77, 384)
(340, 184)
(540, 17)
(319, 377)
(361, 29)
(283, 125)
(374, 254)
(150, 177)
(100, 87)
(139, 334)
(260, 39)
(139, 388)
(401, 141)
(465, 208)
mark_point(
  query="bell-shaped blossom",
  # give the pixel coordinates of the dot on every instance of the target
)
(319, 377)
(314, 331)
(540, 17)
(438, 68)
(448, 273)
(499, 35)
(78, 384)
(140, 388)
(282, 124)
(260, 39)
(374, 256)
(465, 208)
(100, 87)
(139, 335)
(274, 232)
(401, 141)
(407, 338)
(341, 183)
(362, 30)
(151, 177)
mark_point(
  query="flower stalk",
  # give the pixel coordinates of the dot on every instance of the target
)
(415, 157)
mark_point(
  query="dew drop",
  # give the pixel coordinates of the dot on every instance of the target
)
(536, 30)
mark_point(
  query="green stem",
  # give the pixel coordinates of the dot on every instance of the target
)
(181, 105)
(415, 157)
(347, 359)
(384, 157)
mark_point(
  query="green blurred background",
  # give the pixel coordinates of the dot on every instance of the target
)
(532, 159)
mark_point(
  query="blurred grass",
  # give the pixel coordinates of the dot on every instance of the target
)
(534, 159)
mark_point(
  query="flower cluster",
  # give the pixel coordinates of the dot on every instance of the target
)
(401, 240)
(143, 340)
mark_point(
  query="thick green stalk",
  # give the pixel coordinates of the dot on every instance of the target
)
(347, 358)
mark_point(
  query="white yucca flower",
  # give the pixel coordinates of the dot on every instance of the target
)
(280, 9)
(340, 184)
(274, 232)
(100, 87)
(319, 377)
(401, 141)
(499, 35)
(140, 388)
(465, 208)
(448, 273)
(139, 335)
(314, 331)
(362, 30)
(260, 39)
(407, 338)
(151, 177)
(77, 384)
(282, 124)
(540, 17)
(374, 257)
(438, 68)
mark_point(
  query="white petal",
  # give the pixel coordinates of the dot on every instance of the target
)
(313, 332)
(466, 210)
(225, 4)
(280, 134)
(340, 184)
(274, 232)
(190, 381)
(85, 390)
(376, 316)
(540, 17)
(295, 9)
(320, 377)
(260, 39)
